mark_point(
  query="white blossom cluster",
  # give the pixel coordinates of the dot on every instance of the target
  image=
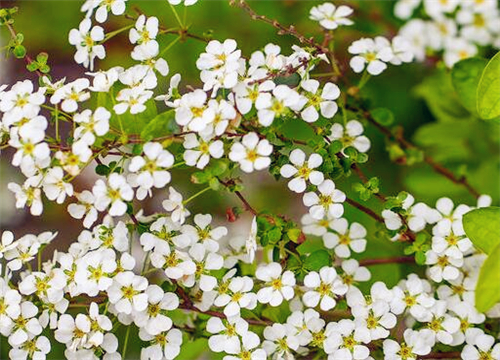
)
(456, 29)
(126, 269)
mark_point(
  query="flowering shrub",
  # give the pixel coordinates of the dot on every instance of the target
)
(286, 290)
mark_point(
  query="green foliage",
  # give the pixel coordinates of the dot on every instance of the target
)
(419, 247)
(160, 126)
(465, 77)
(317, 260)
(366, 190)
(211, 174)
(438, 93)
(482, 226)
(488, 284)
(382, 116)
(40, 64)
(488, 94)
(6, 15)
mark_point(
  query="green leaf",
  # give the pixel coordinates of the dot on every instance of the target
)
(102, 170)
(488, 93)
(163, 124)
(465, 77)
(317, 260)
(482, 227)
(292, 80)
(277, 314)
(439, 95)
(294, 234)
(383, 116)
(488, 284)
(19, 51)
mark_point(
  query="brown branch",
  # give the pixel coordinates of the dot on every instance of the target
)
(246, 204)
(440, 169)
(366, 210)
(27, 58)
(282, 30)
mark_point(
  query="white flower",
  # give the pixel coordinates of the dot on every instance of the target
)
(165, 345)
(442, 325)
(444, 265)
(219, 65)
(117, 7)
(330, 17)
(115, 193)
(71, 94)
(27, 195)
(279, 341)
(175, 205)
(436, 9)
(25, 325)
(149, 170)
(200, 149)
(132, 99)
(91, 124)
(87, 44)
(279, 286)
(251, 242)
(185, 2)
(7, 242)
(164, 229)
(144, 34)
(402, 51)
(84, 208)
(269, 61)
(241, 296)
(414, 344)
(413, 294)
(404, 8)
(100, 324)
(323, 102)
(351, 135)
(481, 346)
(302, 171)
(324, 287)
(33, 348)
(279, 103)
(458, 49)
(251, 153)
(55, 187)
(21, 101)
(127, 293)
(353, 273)
(344, 341)
(224, 113)
(192, 111)
(177, 264)
(345, 238)
(247, 94)
(205, 262)
(153, 319)
(370, 53)
(204, 233)
(226, 334)
(248, 349)
(328, 201)
(104, 80)
(94, 271)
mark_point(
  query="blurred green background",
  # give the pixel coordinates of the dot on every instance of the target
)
(454, 139)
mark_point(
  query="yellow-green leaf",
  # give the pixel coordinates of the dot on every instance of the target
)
(488, 90)
(482, 227)
(488, 284)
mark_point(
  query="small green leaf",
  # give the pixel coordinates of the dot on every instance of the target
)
(317, 260)
(163, 124)
(19, 51)
(274, 235)
(488, 94)
(42, 57)
(292, 80)
(482, 227)
(294, 234)
(102, 170)
(465, 77)
(382, 116)
(488, 284)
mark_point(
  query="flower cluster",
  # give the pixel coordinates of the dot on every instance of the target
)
(282, 291)
(457, 29)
